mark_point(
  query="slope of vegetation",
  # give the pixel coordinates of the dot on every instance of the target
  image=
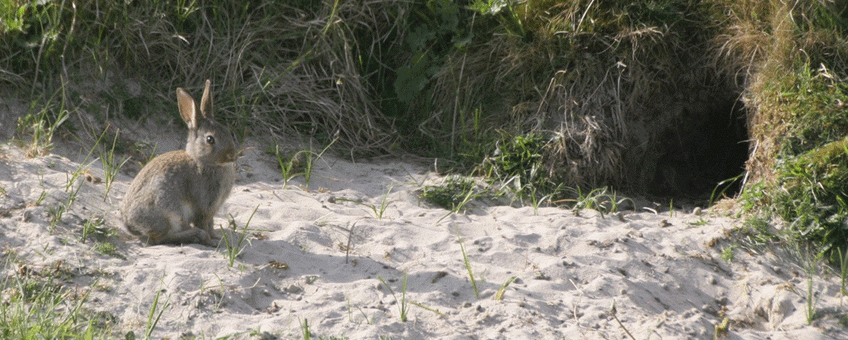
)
(660, 97)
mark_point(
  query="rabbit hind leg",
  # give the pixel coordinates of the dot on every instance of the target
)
(172, 229)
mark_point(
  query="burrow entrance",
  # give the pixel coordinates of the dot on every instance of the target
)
(702, 145)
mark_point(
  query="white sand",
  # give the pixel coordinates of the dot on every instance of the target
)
(667, 279)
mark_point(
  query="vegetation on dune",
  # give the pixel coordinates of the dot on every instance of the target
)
(797, 119)
(663, 97)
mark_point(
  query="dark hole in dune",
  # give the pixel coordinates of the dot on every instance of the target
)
(705, 146)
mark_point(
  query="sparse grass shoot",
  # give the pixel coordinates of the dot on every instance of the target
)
(843, 272)
(56, 213)
(155, 315)
(812, 300)
(235, 245)
(111, 165)
(311, 158)
(288, 166)
(403, 304)
(467, 265)
(499, 295)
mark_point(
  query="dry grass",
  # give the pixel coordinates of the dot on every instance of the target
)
(612, 82)
(275, 66)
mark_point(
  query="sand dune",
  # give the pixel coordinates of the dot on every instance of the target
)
(320, 255)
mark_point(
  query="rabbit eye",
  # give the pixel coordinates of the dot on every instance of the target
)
(210, 140)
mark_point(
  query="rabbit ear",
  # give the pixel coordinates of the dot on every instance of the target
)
(187, 110)
(206, 101)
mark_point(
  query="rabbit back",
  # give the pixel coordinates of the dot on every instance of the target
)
(158, 202)
(174, 198)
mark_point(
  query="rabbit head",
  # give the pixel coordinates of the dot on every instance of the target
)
(209, 142)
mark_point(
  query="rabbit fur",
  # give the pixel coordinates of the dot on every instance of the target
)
(174, 198)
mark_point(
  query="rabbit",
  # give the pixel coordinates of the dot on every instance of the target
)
(174, 197)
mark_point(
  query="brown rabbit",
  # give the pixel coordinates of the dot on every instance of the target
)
(174, 197)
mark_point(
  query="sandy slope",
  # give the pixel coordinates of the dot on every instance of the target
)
(316, 255)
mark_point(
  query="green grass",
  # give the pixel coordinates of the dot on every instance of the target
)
(57, 212)
(843, 272)
(502, 290)
(727, 252)
(234, 244)
(808, 195)
(604, 200)
(306, 333)
(378, 210)
(105, 248)
(310, 159)
(811, 300)
(42, 122)
(468, 266)
(403, 304)
(111, 165)
(41, 307)
(288, 165)
(155, 314)
(453, 194)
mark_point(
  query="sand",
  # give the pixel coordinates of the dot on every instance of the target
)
(320, 256)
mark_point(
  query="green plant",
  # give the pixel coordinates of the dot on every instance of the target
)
(58, 211)
(43, 124)
(505, 12)
(82, 168)
(721, 188)
(91, 226)
(453, 194)
(812, 299)
(40, 198)
(699, 222)
(671, 208)
(105, 248)
(287, 166)
(111, 165)
(236, 246)
(499, 295)
(311, 157)
(614, 313)
(429, 309)
(304, 327)
(727, 252)
(519, 160)
(602, 200)
(403, 306)
(350, 316)
(467, 265)
(12, 17)
(808, 195)
(378, 210)
(37, 306)
(721, 328)
(384, 203)
(155, 314)
(843, 272)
